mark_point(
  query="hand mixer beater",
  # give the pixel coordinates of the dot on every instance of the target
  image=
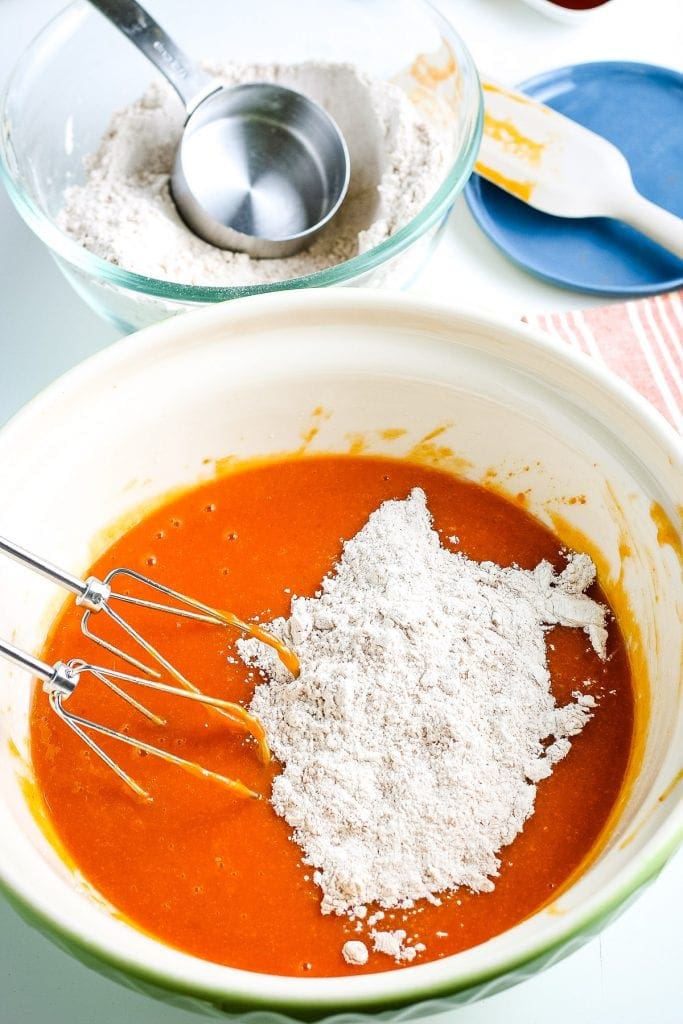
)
(98, 596)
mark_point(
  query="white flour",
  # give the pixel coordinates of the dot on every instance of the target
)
(394, 944)
(124, 211)
(355, 953)
(422, 719)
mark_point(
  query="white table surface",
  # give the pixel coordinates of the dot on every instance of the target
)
(633, 973)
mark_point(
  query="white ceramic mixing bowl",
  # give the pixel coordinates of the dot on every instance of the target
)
(156, 411)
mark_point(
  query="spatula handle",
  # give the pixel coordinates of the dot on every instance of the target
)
(658, 224)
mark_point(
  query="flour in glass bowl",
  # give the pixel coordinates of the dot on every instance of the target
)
(124, 211)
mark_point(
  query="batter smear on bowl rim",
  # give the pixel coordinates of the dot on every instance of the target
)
(448, 755)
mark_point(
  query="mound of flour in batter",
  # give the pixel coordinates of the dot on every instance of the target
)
(422, 718)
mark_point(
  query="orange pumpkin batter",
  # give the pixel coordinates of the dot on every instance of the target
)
(218, 876)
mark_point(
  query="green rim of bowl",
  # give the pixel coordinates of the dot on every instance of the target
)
(421, 1001)
(424, 997)
(65, 248)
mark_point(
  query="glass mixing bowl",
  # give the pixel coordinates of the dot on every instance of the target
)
(79, 70)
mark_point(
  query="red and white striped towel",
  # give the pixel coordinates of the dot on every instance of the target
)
(641, 341)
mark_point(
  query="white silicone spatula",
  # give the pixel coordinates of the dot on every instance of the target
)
(556, 165)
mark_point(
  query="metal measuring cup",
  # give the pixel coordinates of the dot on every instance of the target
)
(260, 168)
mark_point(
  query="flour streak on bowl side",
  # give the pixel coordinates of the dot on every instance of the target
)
(251, 378)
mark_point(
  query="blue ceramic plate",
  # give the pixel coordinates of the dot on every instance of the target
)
(639, 108)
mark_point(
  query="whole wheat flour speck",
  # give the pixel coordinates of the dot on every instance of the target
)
(422, 719)
(124, 211)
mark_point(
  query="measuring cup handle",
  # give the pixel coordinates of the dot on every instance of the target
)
(191, 84)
